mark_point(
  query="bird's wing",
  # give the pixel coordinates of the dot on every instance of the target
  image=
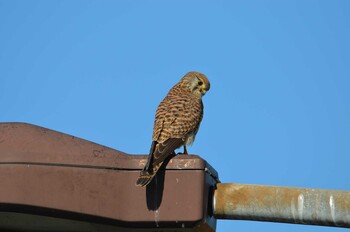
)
(159, 153)
(164, 150)
(177, 116)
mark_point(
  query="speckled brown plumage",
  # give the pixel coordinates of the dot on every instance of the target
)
(176, 123)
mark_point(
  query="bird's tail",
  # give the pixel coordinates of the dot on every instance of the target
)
(145, 178)
(156, 160)
(150, 170)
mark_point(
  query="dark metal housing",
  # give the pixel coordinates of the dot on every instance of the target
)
(52, 181)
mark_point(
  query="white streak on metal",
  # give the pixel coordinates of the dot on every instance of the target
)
(156, 217)
(300, 206)
(156, 212)
(332, 207)
(214, 202)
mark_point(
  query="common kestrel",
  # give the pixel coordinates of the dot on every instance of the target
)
(176, 123)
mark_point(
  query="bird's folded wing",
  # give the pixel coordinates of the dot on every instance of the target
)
(165, 150)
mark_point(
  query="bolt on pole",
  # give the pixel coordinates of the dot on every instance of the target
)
(282, 204)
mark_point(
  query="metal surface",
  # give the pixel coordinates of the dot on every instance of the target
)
(50, 174)
(21, 142)
(282, 204)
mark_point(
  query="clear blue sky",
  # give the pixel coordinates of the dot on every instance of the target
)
(278, 109)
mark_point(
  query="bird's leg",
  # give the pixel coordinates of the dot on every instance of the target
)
(185, 150)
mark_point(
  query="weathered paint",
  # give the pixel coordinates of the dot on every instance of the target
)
(282, 204)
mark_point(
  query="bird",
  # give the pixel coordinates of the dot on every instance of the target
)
(176, 122)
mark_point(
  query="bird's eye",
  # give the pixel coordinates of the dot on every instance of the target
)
(200, 83)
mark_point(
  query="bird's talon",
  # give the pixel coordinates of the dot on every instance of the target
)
(182, 153)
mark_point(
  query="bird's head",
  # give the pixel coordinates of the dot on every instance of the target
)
(197, 82)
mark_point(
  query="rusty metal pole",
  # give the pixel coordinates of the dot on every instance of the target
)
(282, 204)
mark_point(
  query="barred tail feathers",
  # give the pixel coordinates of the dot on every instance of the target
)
(145, 178)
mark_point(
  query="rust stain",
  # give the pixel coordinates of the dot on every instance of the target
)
(233, 197)
(282, 204)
